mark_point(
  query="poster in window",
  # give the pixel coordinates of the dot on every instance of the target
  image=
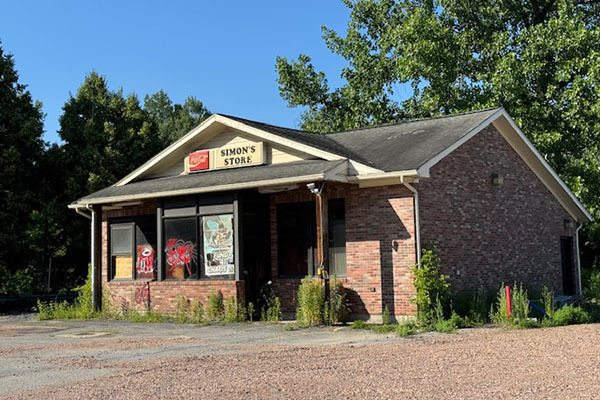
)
(218, 245)
(145, 263)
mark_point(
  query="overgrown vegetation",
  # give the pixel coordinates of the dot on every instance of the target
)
(431, 287)
(312, 309)
(271, 305)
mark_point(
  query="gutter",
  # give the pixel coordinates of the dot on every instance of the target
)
(83, 214)
(578, 259)
(417, 220)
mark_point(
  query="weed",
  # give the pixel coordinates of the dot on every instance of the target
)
(197, 313)
(385, 316)
(250, 311)
(406, 329)
(182, 308)
(430, 285)
(309, 310)
(359, 324)
(215, 307)
(569, 315)
(338, 307)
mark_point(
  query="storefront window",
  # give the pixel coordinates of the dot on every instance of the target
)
(121, 245)
(145, 244)
(217, 232)
(181, 250)
(133, 248)
(297, 235)
(337, 237)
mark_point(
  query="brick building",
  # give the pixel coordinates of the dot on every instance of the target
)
(235, 204)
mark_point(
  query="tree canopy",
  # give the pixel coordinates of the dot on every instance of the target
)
(540, 59)
(106, 135)
(21, 147)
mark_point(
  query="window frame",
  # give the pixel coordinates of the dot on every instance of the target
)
(197, 209)
(132, 224)
(121, 224)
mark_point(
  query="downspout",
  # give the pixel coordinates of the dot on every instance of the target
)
(580, 288)
(417, 223)
(93, 260)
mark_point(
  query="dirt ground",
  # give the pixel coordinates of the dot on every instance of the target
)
(121, 360)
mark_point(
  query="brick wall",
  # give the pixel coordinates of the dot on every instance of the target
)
(162, 295)
(380, 248)
(486, 234)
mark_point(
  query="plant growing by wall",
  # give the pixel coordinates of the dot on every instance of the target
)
(182, 309)
(197, 313)
(215, 306)
(309, 309)
(430, 285)
(338, 309)
(385, 316)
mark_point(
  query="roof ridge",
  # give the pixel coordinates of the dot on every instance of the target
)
(408, 121)
(401, 122)
(266, 124)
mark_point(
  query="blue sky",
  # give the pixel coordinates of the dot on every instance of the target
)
(223, 53)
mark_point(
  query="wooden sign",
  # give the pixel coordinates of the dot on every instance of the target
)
(244, 154)
(239, 155)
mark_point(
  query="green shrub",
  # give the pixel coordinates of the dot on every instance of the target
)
(272, 312)
(338, 307)
(234, 310)
(548, 302)
(520, 308)
(430, 285)
(406, 329)
(309, 310)
(182, 309)
(570, 315)
(591, 283)
(215, 307)
(250, 311)
(385, 316)
(80, 309)
(520, 303)
(197, 313)
(359, 324)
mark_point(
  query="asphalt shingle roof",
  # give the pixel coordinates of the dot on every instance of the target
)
(209, 179)
(398, 147)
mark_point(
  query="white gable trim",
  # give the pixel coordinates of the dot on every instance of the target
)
(195, 133)
(529, 154)
(424, 169)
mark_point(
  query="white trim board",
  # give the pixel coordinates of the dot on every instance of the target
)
(210, 128)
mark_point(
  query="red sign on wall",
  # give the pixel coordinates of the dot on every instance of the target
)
(199, 160)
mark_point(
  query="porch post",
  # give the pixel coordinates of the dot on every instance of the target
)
(322, 229)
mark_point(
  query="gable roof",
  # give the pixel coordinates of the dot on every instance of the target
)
(409, 144)
(409, 148)
(220, 180)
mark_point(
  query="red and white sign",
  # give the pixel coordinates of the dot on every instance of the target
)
(199, 160)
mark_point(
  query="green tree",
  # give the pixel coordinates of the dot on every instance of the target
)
(21, 146)
(174, 120)
(540, 59)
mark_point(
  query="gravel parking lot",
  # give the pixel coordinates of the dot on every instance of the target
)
(121, 360)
